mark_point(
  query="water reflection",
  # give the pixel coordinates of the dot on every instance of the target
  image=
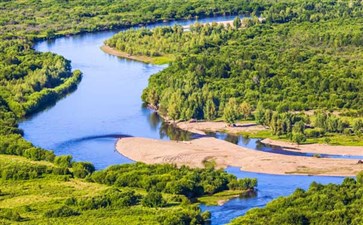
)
(174, 133)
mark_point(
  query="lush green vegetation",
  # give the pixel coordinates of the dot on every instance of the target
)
(320, 204)
(298, 127)
(51, 18)
(222, 197)
(279, 65)
(41, 192)
(306, 57)
(31, 81)
(38, 187)
(191, 183)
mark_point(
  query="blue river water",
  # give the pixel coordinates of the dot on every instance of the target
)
(107, 105)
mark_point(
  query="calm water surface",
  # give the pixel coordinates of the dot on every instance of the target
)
(107, 105)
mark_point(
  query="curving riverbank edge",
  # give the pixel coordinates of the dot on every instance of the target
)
(202, 127)
(114, 52)
(194, 153)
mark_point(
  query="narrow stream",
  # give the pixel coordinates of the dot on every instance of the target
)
(107, 105)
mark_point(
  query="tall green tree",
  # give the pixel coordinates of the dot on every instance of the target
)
(210, 111)
(246, 109)
(237, 22)
(231, 111)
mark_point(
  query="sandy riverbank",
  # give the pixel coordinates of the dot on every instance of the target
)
(317, 148)
(201, 127)
(194, 153)
(125, 55)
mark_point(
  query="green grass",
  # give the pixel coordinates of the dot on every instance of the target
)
(330, 138)
(165, 59)
(338, 139)
(220, 197)
(258, 134)
(32, 198)
(9, 160)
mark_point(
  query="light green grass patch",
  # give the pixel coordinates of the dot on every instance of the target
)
(220, 198)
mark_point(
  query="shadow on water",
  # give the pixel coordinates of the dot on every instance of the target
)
(92, 137)
(174, 133)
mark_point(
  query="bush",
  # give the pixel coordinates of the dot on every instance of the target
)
(82, 169)
(243, 184)
(94, 203)
(153, 199)
(61, 171)
(23, 172)
(123, 199)
(10, 214)
(63, 211)
(348, 131)
(298, 138)
(63, 161)
(314, 133)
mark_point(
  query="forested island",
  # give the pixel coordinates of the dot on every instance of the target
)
(304, 55)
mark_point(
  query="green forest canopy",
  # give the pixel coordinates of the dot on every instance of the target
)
(303, 58)
(290, 66)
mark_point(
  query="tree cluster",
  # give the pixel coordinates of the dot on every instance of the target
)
(320, 204)
(170, 179)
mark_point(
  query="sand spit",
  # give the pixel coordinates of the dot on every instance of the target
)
(194, 153)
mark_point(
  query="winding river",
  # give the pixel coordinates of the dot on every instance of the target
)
(107, 105)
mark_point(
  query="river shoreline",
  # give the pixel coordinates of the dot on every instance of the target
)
(114, 52)
(209, 126)
(196, 152)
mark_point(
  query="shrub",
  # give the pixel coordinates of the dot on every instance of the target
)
(314, 133)
(82, 169)
(60, 171)
(10, 214)
(153, 199)
(63, 160)
(348, 131)
(243, 184)
(63, 211)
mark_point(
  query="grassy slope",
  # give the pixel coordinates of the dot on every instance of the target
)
(32, 198)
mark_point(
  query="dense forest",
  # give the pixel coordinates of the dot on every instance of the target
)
(306, 58)
(289, 66)
(330, 204)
